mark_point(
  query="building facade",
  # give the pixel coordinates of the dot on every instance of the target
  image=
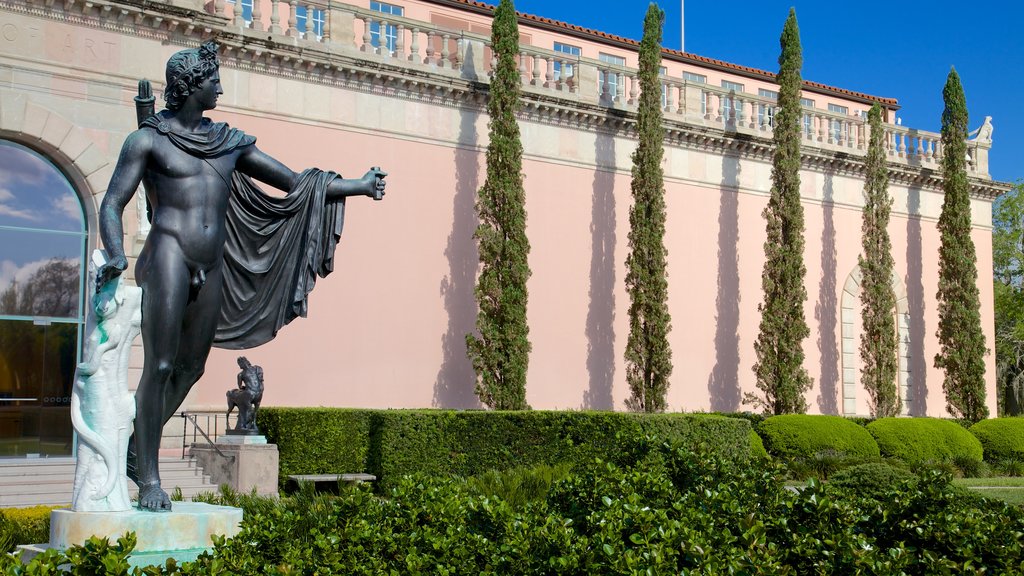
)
(403, 85)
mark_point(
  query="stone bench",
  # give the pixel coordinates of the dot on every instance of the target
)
(332, 479)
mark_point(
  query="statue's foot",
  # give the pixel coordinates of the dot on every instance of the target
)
(153, 498)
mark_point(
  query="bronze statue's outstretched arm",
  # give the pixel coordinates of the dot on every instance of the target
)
(131, 166)
(261, 166)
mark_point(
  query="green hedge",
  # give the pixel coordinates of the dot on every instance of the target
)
(24, 526)
(803, 436)
(922, 440)
(1002, 438)
(392, 443)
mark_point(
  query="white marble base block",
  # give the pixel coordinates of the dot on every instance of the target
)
(189, 526)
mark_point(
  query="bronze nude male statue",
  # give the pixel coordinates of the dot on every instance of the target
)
(204, 283)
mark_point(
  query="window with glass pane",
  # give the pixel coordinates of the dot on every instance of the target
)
(318, 21)
(837, 128)
(390, 31)
(608, 81)
(766, 112)
(730, 105)
(808, 120)
(42, 254)
(574, 54)
(691, 77)
(246, 10)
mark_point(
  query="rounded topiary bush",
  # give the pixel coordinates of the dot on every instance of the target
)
(804, 436)
(871, 480)
(922, 440)
(1002, 438)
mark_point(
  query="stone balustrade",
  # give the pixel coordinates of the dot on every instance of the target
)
(400, 41)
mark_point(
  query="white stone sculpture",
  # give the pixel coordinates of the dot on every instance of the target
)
(102, 407)
(984, 133)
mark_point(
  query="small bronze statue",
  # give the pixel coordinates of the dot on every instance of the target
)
(246, 397)
(224, 264)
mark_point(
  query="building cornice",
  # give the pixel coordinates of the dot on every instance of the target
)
(337, 65)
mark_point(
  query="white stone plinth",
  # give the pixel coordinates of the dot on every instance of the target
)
(188, 526)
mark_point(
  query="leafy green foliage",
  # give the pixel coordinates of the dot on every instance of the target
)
(1008, 277)
(804, 436)
(757, 449)
(24, 526)
(1002, 438)
(874, 480)
(923, 440)
(648, 355)
(518, 486)
(677, 512)
(878, 343)
(962, 343)
(500, 355)
(781, 376)
(392, 443)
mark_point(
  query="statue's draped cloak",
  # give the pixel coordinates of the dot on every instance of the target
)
(276, 246)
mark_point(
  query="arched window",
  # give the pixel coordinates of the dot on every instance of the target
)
(851, 327)
(42, 264)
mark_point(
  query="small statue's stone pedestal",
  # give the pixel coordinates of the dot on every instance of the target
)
(183, 533)
(248, 462)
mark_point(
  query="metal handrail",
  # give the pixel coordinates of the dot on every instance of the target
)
(195, 426)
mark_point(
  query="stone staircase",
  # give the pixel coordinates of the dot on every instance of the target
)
(49, 481)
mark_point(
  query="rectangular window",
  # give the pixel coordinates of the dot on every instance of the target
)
(771, 94)
(574, 52)
(698, 78)
(766, 112)
(318, 21)
(608, 82)
(839, 129)
(731, 106)
(390, 32)
(808, 120)
(246, 11)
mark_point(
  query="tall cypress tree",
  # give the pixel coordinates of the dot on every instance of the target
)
(500, 355)
(648, 356)
(781, 377)
(878, 342)
(962, 354)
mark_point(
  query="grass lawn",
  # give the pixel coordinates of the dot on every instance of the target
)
(1009, 489)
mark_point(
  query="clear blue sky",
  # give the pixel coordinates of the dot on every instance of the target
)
(901, 50)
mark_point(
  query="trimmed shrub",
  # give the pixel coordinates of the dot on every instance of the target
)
(873, 480)
(24, 526)
(1002, 438)
(804, 436)
(757, 450)
(925, 440)
(393, 443)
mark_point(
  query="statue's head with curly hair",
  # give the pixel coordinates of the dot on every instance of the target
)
(186, 71)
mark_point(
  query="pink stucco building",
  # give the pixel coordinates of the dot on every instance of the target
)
(402, 85)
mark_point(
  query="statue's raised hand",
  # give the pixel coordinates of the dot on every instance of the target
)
(374, 180)
(112, 269)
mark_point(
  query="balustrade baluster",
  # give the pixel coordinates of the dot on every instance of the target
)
(751, 110)
(445, 53)
(708, 105)
(549, 72)
(939, 151)
(667, 89)
(931, 149)
(903, 146)
(680, 99)
(823, 129)
(367, 36)
(522, 67)
(310, 32)
(633, 88)
(257, 16)
(238, 20)
(887, 141)
(399, 41)
(563, 73)
(460, 52)
(218, 7)
(721, 107)
(325, 30)
(430, 47)
(535, 62)
(414, 53)
(275, 17)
